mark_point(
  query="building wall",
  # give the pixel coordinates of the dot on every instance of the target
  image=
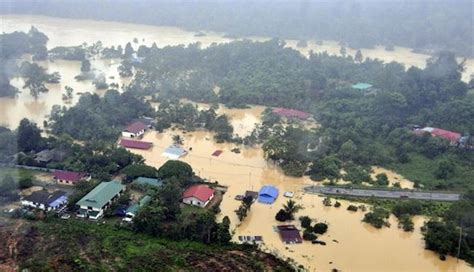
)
(132, 135)
(196, 202)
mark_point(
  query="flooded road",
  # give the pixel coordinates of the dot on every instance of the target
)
(72, 32)
(358, 246)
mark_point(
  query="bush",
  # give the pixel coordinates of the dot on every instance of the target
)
(352, 208)
(305, 222)
(320, 228)
(337, 204)
(377, 218)
(309, 236)
(25, 183)
(282, 216)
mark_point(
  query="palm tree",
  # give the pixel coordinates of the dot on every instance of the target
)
(291, 208)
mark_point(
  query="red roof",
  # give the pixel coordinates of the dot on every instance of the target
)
(135, 144)
(201, 192)
(136, 127)
(217, 153)
(291, 113)
(69, 175)
(446, 134)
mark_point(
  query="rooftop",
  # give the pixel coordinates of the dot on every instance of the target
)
(44, 197)
(289, 234)
(135, 144)
(267, 194)
(291, 113)
(148, 181)
(201, 192)
(101, 194)
(69, 175)
(174, 152)
(362, 86)
(136, 127)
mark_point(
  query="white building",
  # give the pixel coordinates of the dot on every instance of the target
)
(45, 201)
(198, 195)
(134, 130)
(99, 199)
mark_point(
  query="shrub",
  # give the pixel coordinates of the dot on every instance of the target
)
(320, 228)
(305, 222)
(282, 216)
(309, 236)
(352, 208)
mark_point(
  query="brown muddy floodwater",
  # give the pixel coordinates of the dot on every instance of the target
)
(72, 32)
(359, 246)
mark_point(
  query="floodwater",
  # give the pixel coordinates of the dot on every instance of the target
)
(12, 110)
(359, 246)
(71, 32)
(393, 177)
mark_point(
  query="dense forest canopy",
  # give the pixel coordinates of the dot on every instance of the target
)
(428, 26)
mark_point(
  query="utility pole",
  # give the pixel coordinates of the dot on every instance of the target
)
(459, 244)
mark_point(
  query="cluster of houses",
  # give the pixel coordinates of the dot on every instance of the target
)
(100, 198)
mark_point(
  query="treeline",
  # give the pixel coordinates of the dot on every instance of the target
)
(361, 24)
(98, 118)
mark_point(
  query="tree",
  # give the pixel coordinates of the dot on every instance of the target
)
(223, 231)
(382, 179)
(348, 150)
(282, 216)
(25, 182)
(28, 136)
(320, 228)
(173, 168)
(305, 222)
(169, 196)
(358, 57)
(343, 51)
(291, 208)
(177, 140)
(445, 169)
(134, 171)
(85, 66)
(128, 50)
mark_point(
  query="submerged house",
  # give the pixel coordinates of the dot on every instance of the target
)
(127, 143)
(45, 201)
(174, 152)
(198, 195)
(134, 130)
(362, 86)
(289, 234)
(267, 194)
(69, 177)
(99, 199)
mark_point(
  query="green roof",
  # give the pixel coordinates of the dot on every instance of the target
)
(362, 86)
(142, 202)
(148, 181)
(101, 194)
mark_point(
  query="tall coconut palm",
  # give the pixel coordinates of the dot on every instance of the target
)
(291, 208)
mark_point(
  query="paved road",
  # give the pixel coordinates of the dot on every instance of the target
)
(382, 193)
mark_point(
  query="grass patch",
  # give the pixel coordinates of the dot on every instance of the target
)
(421, 169)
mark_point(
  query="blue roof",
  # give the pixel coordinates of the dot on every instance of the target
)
(174, 151)
(362, 86)
(267, 194)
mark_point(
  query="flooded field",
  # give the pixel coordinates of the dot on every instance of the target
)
(72, 32)
(358, 246)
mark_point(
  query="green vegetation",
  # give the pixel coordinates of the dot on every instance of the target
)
(98, 118)
(377, 217)
(104, 247)
(290, 208)
(244, 208)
